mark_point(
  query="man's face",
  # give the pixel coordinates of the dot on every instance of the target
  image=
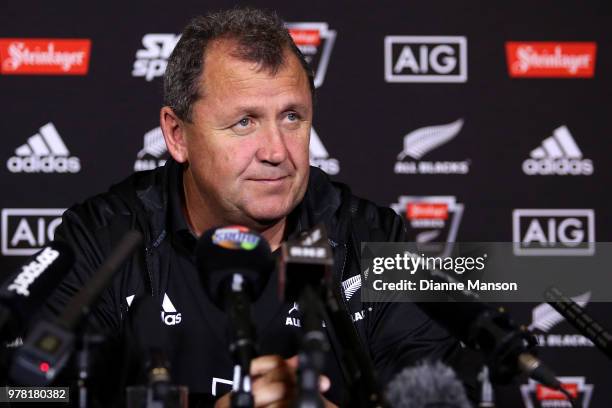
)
(248, 143)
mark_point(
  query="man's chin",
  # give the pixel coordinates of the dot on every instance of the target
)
(266, 220)
(265, 217)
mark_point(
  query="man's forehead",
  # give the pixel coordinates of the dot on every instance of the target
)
(223, 69)
(226, 53)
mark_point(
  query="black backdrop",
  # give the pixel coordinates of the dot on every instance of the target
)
(361, 119)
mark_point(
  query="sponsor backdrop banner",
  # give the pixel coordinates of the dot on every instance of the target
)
(477, 122)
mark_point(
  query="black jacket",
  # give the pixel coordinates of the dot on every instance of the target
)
(394, 335)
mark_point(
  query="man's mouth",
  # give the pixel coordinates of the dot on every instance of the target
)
(271, 180)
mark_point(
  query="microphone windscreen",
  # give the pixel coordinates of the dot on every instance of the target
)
(222, 252)
(25, 291)
(427, 385)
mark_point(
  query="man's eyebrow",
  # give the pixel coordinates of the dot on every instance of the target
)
(257, 111)
(294, 106)
(245, 109)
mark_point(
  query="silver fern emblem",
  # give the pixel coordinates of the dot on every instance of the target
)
(154, 144)
(420, 141)
(351, 285)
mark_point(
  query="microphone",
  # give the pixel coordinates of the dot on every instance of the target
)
(487, 395)
(308, 262)
(235, 264)
(491, 331)
(300, 281)
(427, 385)
(26, 290)
(305, 262)
(504, 345)
(580, 320)
(224, 252)
(50, 343)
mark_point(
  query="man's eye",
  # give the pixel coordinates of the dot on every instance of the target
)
(292, 116)
(244, 122)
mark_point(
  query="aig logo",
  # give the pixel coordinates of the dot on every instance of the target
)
(26, 230)
(553, 232)
(425, 59)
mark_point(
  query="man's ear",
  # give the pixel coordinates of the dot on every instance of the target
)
(173, 129)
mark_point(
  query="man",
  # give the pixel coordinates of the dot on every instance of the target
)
(237, 120)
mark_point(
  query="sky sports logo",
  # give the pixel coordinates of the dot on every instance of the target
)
(551, 59)
(558, 155)
(44, 152)
(26, 230)
(152, 59)
(426, 59)
(553, 232)
(44, 56)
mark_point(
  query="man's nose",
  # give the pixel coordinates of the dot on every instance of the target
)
(273, 148)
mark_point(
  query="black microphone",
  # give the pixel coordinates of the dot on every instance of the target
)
(506, 347)
(580, 320)
(300, 281)
(50, 343)
(427, 385)
(26, 290)
(223, 252)
(307, 262)
(235, 265)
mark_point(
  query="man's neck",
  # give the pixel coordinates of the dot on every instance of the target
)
(200, 218)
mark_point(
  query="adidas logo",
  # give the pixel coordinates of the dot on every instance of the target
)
(169, 315)
(421, 141)
(319, 157)
(558, 155)
(44, 152)
(154, 152)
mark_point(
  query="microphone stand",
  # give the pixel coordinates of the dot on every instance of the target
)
(242, 346)
(305, 273)
(312, 353)
(86, 341)
(357, 367)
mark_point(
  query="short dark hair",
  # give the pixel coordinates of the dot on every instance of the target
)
(261, 37)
